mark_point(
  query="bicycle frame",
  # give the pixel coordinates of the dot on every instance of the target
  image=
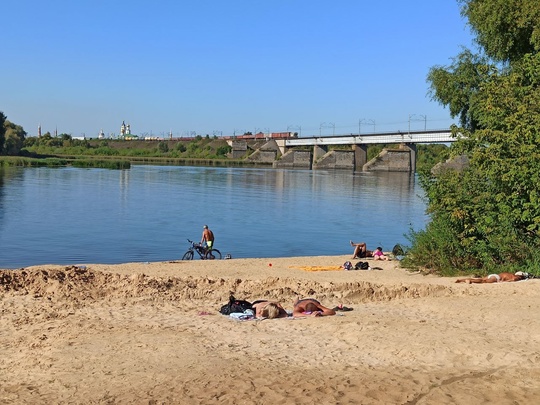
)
(203, 252)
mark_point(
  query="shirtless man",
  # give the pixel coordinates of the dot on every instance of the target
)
(268, 309)
(310, 307)
(207, 238)
(360, 250)
(495, 278)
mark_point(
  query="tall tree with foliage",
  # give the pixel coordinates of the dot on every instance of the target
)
(2, 132)
(487, 216)
(14, 138)
(11, 136)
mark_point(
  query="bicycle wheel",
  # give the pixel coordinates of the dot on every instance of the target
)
(212, 254)
(188, 255)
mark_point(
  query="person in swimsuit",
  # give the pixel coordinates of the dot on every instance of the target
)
(495, 278)
(379, 255)
(360, 250)
(268, 309)
(310, 307)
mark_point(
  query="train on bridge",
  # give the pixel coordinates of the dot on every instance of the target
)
(262, 135)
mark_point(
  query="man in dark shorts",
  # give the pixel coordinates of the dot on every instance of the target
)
(360, 250)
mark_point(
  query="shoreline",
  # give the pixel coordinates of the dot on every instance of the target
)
(137, 332)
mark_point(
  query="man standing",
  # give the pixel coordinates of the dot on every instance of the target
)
(207, 238)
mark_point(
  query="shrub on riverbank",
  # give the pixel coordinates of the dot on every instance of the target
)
(31, 162)
(485, 217)
(59, 162)
(202, 148)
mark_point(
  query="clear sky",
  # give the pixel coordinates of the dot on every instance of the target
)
(224, 67)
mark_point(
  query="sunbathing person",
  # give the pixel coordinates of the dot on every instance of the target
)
(360, 250)
(268, 309)
(495, 278)
(379, 255)
(310, 307)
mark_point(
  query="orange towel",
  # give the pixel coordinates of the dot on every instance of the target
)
(317, 268)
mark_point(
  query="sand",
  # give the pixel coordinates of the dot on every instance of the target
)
(140, 333)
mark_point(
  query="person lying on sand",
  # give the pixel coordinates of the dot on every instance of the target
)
(360, 250)
(310, 307)
(268, 309)
(495, 278)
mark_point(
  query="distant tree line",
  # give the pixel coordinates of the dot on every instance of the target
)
(14, 142)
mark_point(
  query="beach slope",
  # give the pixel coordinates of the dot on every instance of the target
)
(151, 333)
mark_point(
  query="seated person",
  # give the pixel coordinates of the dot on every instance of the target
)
(268, 309)
(379, 255)
(310, 307)
(495, 278)
(360, 250)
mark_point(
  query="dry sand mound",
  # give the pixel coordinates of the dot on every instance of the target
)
(150, 333)
(75, 283)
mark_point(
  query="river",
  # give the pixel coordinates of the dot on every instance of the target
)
(147, 213)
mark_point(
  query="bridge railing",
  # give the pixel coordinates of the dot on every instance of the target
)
(437, 136)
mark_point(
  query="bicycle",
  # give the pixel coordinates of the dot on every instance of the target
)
(204, 253)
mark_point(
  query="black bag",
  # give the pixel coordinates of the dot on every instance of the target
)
(234, 306)
(361, 266)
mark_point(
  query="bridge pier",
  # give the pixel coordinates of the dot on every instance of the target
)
(318, 152)
(411, 147)
(360, 156)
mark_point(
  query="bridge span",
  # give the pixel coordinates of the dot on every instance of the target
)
(402, 159)
(316, 152)
(435, 136)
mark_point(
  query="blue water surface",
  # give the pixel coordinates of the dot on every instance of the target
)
(76, 216)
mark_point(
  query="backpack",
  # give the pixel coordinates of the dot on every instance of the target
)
(397, 250)
(347, 266)
(235, 306)
(361, 266)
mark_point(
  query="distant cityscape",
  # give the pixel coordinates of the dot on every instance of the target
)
(126, 134)
(413, 123)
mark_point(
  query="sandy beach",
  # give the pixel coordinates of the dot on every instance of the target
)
(139, 333)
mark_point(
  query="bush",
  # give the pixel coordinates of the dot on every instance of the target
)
(163, 147)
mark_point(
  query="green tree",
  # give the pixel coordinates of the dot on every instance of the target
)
(2, 132)
(505, 29)
(456, 85)
(14, 138)
(487, 216)
(162, 147)
(11, 136)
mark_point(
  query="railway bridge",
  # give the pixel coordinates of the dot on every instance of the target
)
(313, 152)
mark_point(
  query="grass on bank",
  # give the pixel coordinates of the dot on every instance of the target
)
(61, 162)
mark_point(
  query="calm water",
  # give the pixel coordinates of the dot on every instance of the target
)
(76, 216)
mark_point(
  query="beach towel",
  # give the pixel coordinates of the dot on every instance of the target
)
(317, 268)
(247, 315)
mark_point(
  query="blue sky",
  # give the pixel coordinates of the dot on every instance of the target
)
(224, 67)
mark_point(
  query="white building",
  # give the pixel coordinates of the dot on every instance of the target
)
(125, 130)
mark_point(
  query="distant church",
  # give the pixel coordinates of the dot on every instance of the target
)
(125, 130)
